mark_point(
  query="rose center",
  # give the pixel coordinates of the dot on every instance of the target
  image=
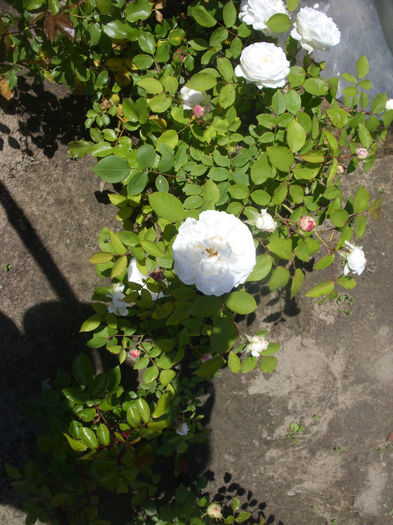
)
(211, 252)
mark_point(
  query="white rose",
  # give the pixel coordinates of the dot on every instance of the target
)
(257, 12)
(118, 306)
(315, 30)
(263, 63)
(182, 429)
(389, 104)
(256, 344)
(215, 252)
(265, 222)
(356, 260)
(136, 276)
(191, 97)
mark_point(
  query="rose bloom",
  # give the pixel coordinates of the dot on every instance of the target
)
(118, 306)
(356, 260)
(137, 277)
(389, 104)
(256, 13)
(215, 252)
(135, 353)
(315, 30)
(214, 511)
(307, 223)
(361, 153)
(256, 344)
(198, 111)
(191, 97)
(263, 63)
(340, 169)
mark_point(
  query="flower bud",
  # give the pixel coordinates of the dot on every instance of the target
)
(135, 353)
(198, 111)
(178, 56)
(265, 222)
(206, 357)
(307, 223)
(157, 275)
(340, 169)
(182, 429)
(361, 153)
(389, 104)
(214, 511)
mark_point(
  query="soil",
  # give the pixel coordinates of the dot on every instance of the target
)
(335, 365)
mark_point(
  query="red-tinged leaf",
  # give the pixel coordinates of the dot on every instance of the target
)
(64, 23)
(50, 28)
(5, 90)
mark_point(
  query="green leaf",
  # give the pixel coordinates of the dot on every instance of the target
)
(324, 288)
(292, 4)
(151, 248)
(316, 86)
(279, 278)
(268, 365)
(297, 282)
(31, 5)
(205, 79)
(223, 336)
(118, 30)
(249, 364)
(324, 262)
(91, 323)
(147, 42)
(119, 267)
(74, 444)
(203, 17)
(167, 206)
(234, 363)
(169, 138)
(241, 303)
(364, 136)
(361, 200)
(210, 367)
(133, 415)
(103, 434)
(375, 209)
(362, 67)
(150, 374)
(227, 95)
(278, 102)
(138, 183)
(280, 193)
(79, 148)
(261, 170)
(162, 405)
(360, 226)
(138, 10)
(296, 136)
(349, 78)
(211, 192)
(145, 156)
(296, 76)
(88, 438)
(262, 267)
(346, 282)
(229, 14)
(53, 6)
(313, 157)
(281, 247)
(379, 102)
(278, 23)
(224, 65)
(339, 217)
(281, 158)
(166, 377)
(144, 409)
(338, 116)
(82, 369)
(151, 85)
(100, 258)
(261, 197)
(112, 169)
(12, 472)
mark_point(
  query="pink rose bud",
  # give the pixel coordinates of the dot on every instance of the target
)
(214, 511)
(361, 153)
(340, 169)
(307, 223)
(206, 357)
(157, 275)
(198, 111)
(135, 353)
(178, 56)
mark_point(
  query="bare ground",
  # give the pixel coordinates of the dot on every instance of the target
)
(335, 367)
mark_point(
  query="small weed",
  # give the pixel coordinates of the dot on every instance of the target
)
(293, 430)
(339, 450)
(347, 302)
(382, 189)
(6, 267)
(315, 418)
